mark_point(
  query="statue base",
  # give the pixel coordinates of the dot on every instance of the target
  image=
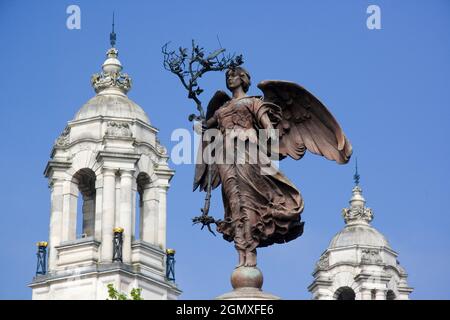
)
(247, 283)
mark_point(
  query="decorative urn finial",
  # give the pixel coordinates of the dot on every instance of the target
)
(111, 80)
(357, 212)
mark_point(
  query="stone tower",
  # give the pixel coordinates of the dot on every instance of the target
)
(359, 263)
(108, 169)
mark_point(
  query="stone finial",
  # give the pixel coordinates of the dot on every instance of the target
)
(357, 212)
(111, 79)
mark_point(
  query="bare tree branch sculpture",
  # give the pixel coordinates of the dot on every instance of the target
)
(189, 66)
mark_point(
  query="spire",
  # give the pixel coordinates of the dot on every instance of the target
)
(112, 35)
(356, 175)
(357, 212)
(111, 80)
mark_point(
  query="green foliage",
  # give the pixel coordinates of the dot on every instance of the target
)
(136, 294)
(113, 294)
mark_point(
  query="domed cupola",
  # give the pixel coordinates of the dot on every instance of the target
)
(109, 176)
(358, 230)
(111, 86)
(359, 262)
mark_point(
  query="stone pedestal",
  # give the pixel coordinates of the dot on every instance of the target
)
(247, 285)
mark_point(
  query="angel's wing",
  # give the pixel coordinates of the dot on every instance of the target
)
(305, 123)
(218, 100)
(201, 168)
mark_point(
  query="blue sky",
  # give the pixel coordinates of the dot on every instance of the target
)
(388, 88)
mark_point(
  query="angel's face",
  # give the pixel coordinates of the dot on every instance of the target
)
(234, 80)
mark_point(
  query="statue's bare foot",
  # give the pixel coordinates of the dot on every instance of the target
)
(250, 260)
(241, 259)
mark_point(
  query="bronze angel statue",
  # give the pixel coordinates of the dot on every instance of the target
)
(263, 209)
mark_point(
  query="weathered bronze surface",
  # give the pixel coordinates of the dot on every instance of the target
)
(189, 66)
(262, 209)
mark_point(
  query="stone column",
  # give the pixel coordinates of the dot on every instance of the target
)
(69, 217)
(162, 217)
(380, 294)
(98, 208)
(117, 213)
(133, 210)
(108, 214)
(126, 209)
(56, 211)
(366, 294)
(149, 215)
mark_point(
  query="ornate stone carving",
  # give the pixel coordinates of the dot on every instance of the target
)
(370, 256)
(63, 139)
(400, 268)
(111, 77)
(357, 210)
(324, 261)
(103, 80)
(160, 148)
(357, 213)
(118, 129)
(153, 154)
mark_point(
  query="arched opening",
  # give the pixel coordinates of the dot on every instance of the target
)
(85, 180)
(344, 293)
(142, 181)
(390, 295)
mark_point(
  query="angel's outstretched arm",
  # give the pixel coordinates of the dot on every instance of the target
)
(265, 121)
